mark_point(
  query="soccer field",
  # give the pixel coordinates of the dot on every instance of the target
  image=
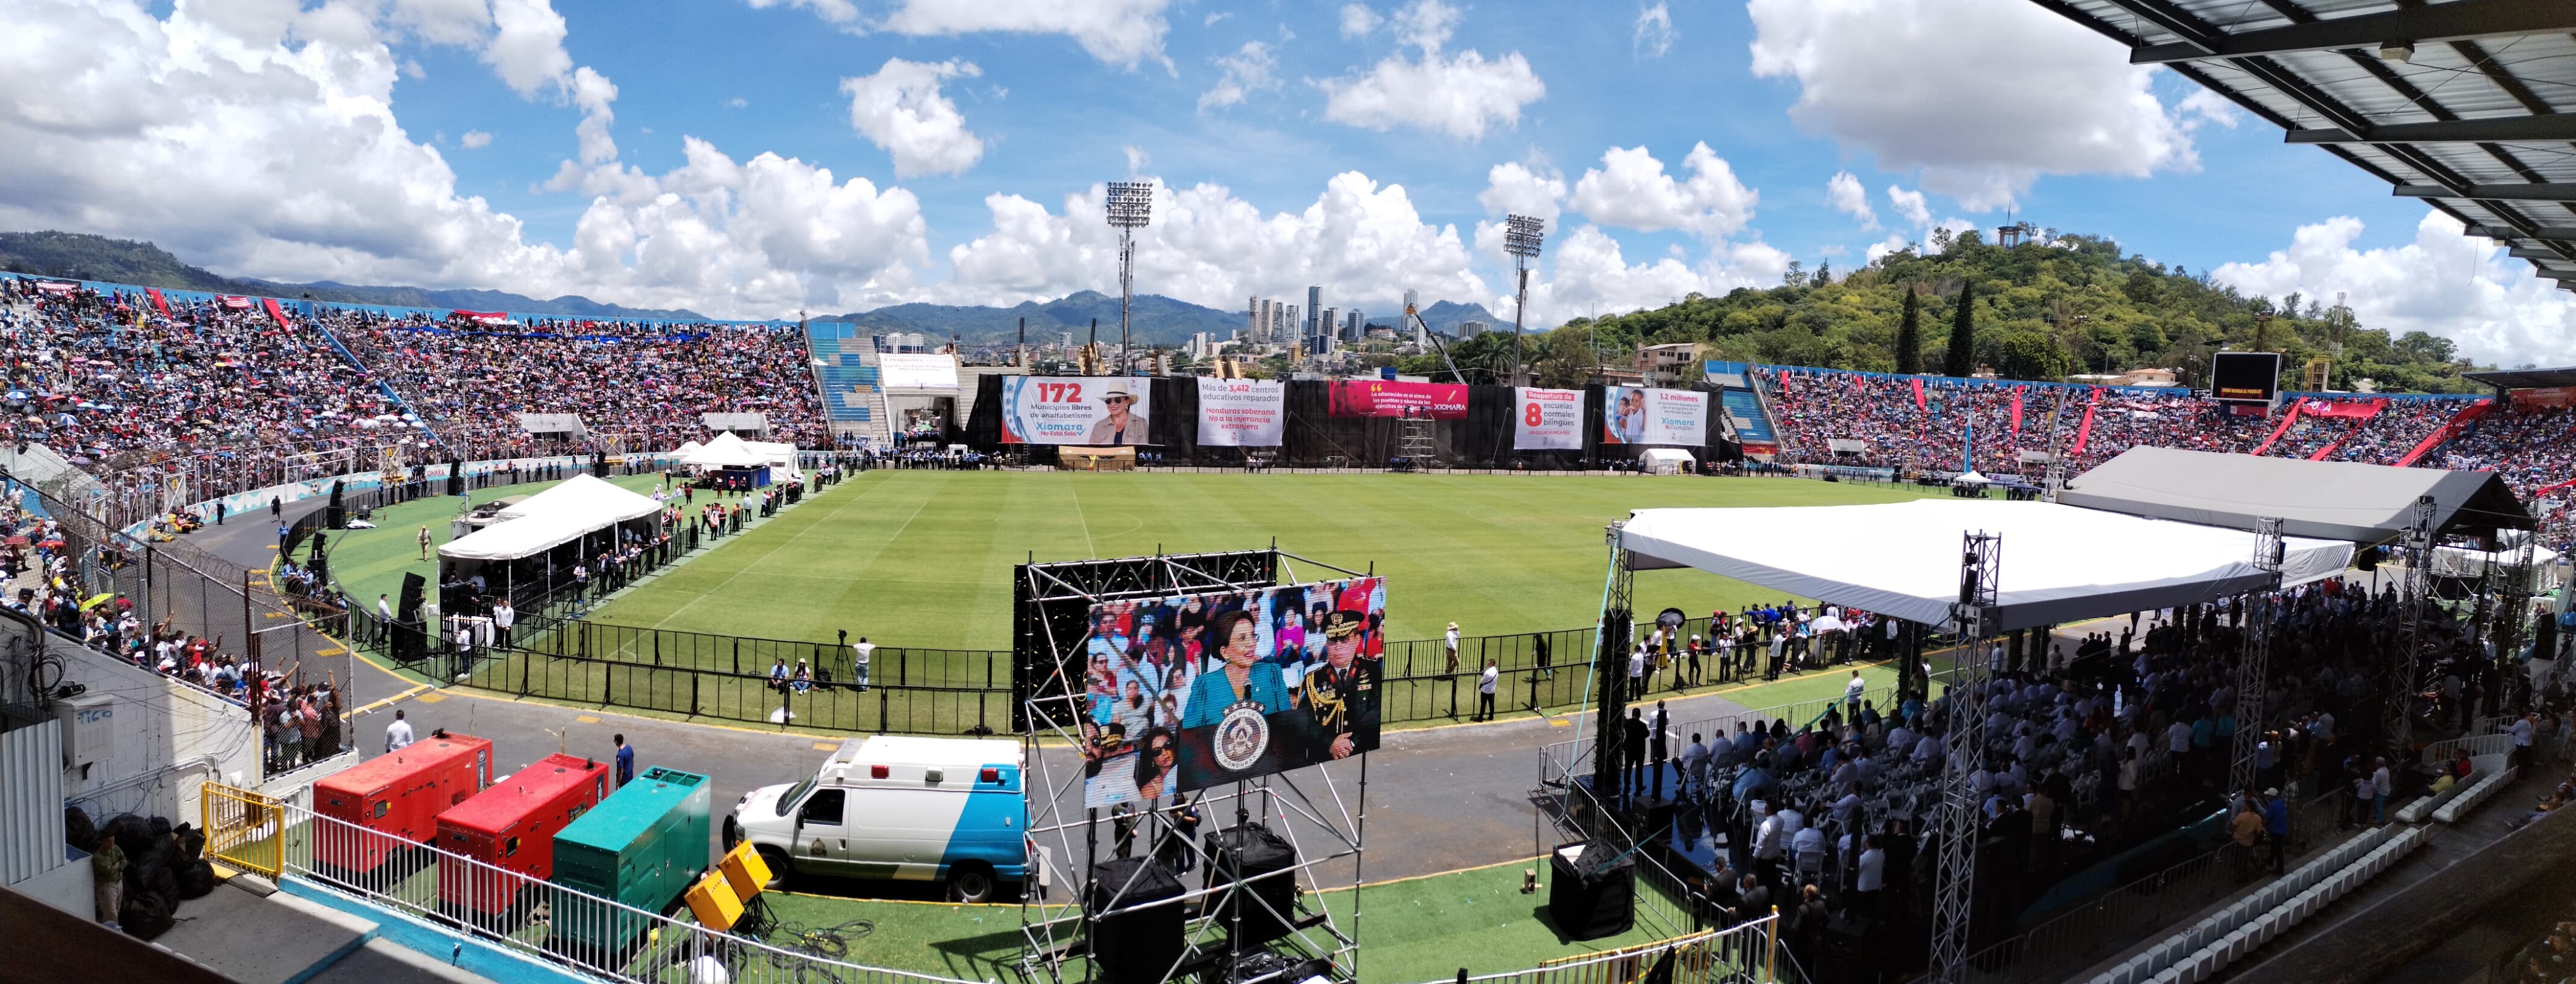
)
(924, 558)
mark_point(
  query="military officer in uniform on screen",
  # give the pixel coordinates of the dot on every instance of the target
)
(1340, 698)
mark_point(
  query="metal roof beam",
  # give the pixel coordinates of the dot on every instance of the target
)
(2555, 192)
(2502, 129)
(2537, 232)
(2438, 22)
(2542, 255)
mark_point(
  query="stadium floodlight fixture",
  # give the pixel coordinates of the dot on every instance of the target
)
(1131, 204)
(1130, 207)
(1522, 236)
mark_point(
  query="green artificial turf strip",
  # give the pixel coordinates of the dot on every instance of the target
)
(1418, 929)
(924, 558)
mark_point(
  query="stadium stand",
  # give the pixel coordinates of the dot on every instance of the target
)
(845, 369)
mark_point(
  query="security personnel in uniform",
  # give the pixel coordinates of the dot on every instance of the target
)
(1340, 698)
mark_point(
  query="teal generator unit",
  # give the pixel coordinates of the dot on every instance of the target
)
(641, 847)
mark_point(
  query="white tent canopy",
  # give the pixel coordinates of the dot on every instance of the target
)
(2057, 563)
(1666, 461)
(724, 451)
(780, 456)
(579, 506)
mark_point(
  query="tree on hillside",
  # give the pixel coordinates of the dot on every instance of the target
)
(1961, 359)
(1909, 334)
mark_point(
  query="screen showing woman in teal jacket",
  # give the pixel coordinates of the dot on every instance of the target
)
(1239, 679)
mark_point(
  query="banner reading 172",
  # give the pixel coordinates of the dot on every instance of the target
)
(1092, 411)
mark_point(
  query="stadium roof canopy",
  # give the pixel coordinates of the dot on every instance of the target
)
(2468, 105)
(2056, 563)
(2524, 378)
(2332, 500)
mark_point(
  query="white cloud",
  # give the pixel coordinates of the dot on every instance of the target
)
(1250, 68)
(1137, 159)
(1462, 95)
(1358, 21)
(527, 45)
(1120, 32)
(1587, 275)
(1630, 189)
(2442, 283)
(594, 93)
(1849, 198)
(1911, 205)
(2204, 106)
(901, 110)
(1654, 33)
(475, 140)
(737, 102)
(1208, 247)
(1215, 17)
(263, 142)
(1895, 241)
(1517, 189)
(1916, 84)
(1426, 24)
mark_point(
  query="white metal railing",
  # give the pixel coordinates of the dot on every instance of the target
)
(518, 912)
(1742, 954)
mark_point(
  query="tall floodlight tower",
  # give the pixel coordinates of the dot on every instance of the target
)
(1521, 237)
(1131, 207)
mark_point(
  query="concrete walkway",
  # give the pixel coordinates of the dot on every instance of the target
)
(257, 937)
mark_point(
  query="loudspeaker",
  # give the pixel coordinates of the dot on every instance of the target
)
(1137, 946)
(599, 464)
(456, 478)
(408, 645)
(1591, 899)
(1265, 864)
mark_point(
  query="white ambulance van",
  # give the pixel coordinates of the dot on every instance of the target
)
(898, 807)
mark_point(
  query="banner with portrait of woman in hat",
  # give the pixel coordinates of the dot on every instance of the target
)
(1093, 411)
(1200, 690)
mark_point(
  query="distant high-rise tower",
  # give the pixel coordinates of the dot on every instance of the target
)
(1288, 323)
(1329, 322)
(1353, 328)
(1314, 306)
(1411, 299)
(1258, 331)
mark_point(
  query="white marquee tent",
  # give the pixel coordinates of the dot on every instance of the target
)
(579, 506)
(725, 451)
(2057, 563)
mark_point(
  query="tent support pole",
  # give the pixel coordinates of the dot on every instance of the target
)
(2401, 686)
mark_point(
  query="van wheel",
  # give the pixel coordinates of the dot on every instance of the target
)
(970, 882)
(779, 870)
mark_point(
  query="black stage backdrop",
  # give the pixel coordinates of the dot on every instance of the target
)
(1313, 438)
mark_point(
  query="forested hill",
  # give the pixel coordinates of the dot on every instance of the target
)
(2037, 312)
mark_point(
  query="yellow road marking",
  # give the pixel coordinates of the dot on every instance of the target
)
(825, 746)
(416, 688)
(432, 698)
(330, 652)
(585, 719)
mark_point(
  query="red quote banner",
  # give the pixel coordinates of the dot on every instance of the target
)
(1387, 398)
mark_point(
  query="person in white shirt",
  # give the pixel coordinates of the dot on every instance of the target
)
(1872, 877)
(1637, 673)
(397, 734)
(2380, 786)
(1485, 684)
(2522, 731)
(1695, 765)
(1851, 693)
(503, 617)
(859, 653)
(2178, 738)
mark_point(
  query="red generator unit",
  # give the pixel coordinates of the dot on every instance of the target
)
(512, 826)
(395, 799)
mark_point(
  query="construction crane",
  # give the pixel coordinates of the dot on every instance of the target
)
(1414, 318)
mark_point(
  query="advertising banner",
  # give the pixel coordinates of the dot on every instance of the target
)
(913, 370)
(1389, 398)
(1200, 690)
(1241, 413)
(2545, 399)
(1637, 415)
(1547, 419)
(1091, 411)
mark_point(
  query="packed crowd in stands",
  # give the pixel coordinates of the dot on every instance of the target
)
(2089, 749)
(1817, 407)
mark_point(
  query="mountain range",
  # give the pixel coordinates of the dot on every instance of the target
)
(1156, 320)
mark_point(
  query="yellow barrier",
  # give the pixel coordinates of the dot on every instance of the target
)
(244, 829)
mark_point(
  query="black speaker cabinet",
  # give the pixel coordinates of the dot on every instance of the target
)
(1591, 898)
(1133, 946)
(1266, 865)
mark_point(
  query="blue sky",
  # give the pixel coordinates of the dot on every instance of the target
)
(950, 150)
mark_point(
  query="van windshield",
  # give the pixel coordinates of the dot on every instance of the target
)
(787, 800)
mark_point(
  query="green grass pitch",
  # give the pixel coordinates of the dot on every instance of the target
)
(924, 558)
